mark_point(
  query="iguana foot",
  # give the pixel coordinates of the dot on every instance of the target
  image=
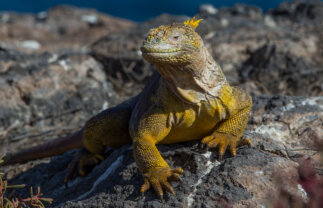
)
(224, 141)
(159, 178)
(83, 159)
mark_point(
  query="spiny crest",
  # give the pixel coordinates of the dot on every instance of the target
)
(193, 23)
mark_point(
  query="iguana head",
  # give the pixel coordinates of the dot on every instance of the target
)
(183, 61)
(177, 43)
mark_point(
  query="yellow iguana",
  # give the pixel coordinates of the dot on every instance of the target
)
(188, 99)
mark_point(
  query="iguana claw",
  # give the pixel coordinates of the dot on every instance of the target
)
(159, 178)
(223, 142)
(83, 159)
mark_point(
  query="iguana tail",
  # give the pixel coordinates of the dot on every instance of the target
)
(51, 148)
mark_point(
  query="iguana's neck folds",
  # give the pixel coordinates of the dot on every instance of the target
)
(199, 81)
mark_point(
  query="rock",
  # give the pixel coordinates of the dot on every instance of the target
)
(91, 19)
(52, 89)
(47, 93)
(251, 12)
(208, 9)
(224, 22)
(42, 16)
(59, 29)
(31, 45)
(300, 11)
(287, 70)
(126, 70)
(241, 181)
(269, 21)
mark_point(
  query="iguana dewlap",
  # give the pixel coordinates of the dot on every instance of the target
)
(188, 99)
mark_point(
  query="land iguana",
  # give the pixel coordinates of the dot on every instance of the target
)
(188, 99)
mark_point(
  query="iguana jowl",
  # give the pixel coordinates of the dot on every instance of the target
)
(188, 99)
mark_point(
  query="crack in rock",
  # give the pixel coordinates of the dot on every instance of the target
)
(209, 166)
(103, 177)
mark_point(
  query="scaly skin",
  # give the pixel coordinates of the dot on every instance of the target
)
(188, 99)
(192, 101)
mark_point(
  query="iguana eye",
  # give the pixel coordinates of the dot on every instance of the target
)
(176, 37)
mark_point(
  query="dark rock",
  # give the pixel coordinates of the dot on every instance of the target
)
(299, 10)
(251, 12)
(53, 92)
(278, 72)
(43, 94)
(244, 180)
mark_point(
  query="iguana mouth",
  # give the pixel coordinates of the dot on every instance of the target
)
(159, 51)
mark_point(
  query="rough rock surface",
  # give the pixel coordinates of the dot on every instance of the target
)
(242, 181)
(49, 84)
(60, 29)
(47, 94)
(51, 90)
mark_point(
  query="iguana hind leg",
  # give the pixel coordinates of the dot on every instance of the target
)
(81, 162)
(107, 129)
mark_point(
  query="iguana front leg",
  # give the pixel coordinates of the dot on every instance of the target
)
(156, 172)
(229, 131)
